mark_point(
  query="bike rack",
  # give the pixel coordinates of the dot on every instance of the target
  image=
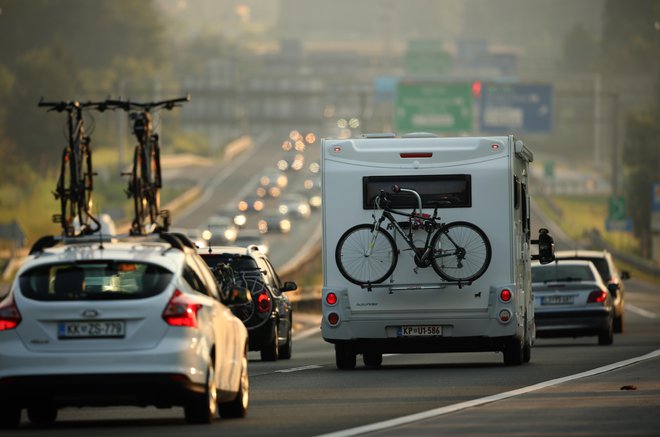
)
(408, 287)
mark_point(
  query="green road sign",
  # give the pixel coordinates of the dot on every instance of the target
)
(433, 107)
(616, 208)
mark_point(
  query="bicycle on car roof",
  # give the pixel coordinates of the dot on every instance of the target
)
(145, 178)
(75, 183)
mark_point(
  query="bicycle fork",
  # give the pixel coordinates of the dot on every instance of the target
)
(374, 236)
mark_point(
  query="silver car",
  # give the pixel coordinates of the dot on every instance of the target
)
(135, 321)
(571, 300)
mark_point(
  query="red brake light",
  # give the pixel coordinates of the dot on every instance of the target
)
(181, 311)
(597, 296)
(506, 295)
(263, 302)
(331, 298)
(416, 155)
(10, 317)
(333, 319)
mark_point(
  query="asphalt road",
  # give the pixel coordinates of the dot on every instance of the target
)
(308, 396)
(224, 184)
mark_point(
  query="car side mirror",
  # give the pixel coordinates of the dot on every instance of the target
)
(546, 247)
(613, 288)
(289, 286)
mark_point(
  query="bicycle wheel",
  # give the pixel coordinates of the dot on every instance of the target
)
(462, 252)
(137, 189)
(86, 187)
(364, 256)
(63, 192)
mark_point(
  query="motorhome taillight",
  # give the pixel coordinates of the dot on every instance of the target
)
(333, 319)
(505, 295)
(10, 317)
(505, 316)
(331, 298)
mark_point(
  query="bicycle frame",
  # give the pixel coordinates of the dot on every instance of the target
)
(430, 224)
(146, 181)
(75, 196)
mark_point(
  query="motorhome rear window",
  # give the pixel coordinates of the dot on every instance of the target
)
(444, 191)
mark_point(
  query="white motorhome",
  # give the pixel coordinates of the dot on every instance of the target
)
(414, 310)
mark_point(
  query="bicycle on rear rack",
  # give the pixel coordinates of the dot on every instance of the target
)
(367, 254)
(145, 179)
(75, 183)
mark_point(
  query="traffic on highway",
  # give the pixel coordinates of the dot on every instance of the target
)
(329, 219)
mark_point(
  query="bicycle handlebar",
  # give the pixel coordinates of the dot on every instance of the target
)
(127, 105)
(73, 105)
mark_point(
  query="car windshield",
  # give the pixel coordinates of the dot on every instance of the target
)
(98, 280)
(562, 273)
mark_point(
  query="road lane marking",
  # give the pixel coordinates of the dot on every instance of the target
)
(641, 311)
(404, 420)
(298, 369)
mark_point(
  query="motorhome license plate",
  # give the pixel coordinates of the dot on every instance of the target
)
(421, 330)
(556, 300)
(89, 329)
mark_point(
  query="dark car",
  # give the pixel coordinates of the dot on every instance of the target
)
(268, 317)
(571, 300)
(604, 263)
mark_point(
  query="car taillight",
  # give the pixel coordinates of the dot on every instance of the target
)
(263, 303)
(505, 295)
(181, 311)
(331, 298)
(597, 296)
(10, 317)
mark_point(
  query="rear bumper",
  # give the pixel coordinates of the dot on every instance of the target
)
(572, 323)
(161, 390)
(426, 345)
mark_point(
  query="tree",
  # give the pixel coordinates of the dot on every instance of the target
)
(68, 50)
(642, 162)
(631, 49)
(580, 50)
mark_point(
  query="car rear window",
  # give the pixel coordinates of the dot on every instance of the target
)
(98, 280)
(559, 273)
(239, 263)
(600, 263)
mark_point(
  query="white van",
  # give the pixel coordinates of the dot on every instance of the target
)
(412, 304)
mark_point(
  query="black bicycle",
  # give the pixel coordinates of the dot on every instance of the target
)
(367, 253)
(145, 180)
(75, 183)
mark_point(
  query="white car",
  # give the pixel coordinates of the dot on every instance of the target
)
(133, 321)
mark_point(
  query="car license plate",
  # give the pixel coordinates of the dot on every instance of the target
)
(419, 331)
(556, 300)
(89, 329)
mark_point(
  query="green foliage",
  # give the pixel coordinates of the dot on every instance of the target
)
(642, 162)
(580, 50)
(631, 43)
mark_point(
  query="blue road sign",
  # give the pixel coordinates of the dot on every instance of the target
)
(515, 108)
